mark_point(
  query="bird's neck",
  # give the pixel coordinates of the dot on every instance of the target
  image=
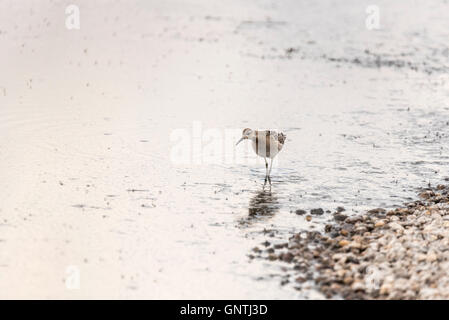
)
(252, 136)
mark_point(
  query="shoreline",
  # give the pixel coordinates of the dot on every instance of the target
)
(397, 254)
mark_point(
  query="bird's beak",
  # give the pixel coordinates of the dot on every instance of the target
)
(241, 139)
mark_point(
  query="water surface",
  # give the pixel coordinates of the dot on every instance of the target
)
(87, 173)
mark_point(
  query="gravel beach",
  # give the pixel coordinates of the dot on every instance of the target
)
(397, 254)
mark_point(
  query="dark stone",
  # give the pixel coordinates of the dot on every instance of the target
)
(284, 282)
(335, 233)
(317, 212)
(266, 243)
(280, 245)
(340, 217)
(300, 212)
(301, 279)
(353, 220)
(377, 211)
(287, 257)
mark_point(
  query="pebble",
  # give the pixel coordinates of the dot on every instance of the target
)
(287, 257)
(426, 194)
(431, 257)
(318, 211)
(300, 279)
(272, 257)
(379, 223)
(377, 211)
(357, 285)
(343, 243)
(385, 289)
(281, 245)
(340, 217)
(348, 280)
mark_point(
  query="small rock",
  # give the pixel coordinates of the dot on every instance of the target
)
(343, 243)
(356, 245)
(291, 50)
(309, 218)
(300, 279)
(354, 220)
(280, 245)
(300, 212)
(286, 257)
(348, 280)
(340, 217)
(318, 211)
(272, 257)
(379, 223)
(334, 234)
(396, 226)
(377, 211)
(358, 286)
(431, 257)
(426, 194)
(385, 289)
(341, 273)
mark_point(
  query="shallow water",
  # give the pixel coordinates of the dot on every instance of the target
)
(88, 176)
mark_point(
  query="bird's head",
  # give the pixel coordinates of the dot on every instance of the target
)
(246, 134)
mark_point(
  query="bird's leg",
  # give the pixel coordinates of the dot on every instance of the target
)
(266, 171)
(266, 167)
(269, 172)
(271, 164)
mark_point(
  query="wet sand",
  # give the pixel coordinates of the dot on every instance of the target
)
(86, 169)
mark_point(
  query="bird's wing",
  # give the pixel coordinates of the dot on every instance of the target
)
(280, 137)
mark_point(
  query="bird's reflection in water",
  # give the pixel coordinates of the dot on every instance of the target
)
(263, 205)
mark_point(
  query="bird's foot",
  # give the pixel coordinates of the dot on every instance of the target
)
(267, 178)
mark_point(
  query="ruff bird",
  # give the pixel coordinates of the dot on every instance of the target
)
(266, 144)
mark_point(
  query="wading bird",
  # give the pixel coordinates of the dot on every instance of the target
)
(266, 144)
